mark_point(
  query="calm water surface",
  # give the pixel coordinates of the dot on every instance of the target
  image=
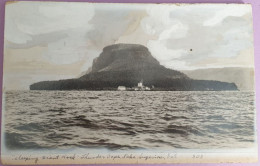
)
(128, 120)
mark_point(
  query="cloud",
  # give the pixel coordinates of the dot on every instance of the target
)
(24, 19)
(109, 24)
(189, 34)
(227, 11)
(158, 22)
(167, 57)
(60, 27)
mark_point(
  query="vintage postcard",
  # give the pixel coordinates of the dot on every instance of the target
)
(87, 83)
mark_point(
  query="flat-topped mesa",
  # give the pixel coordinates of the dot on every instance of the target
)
(125, 46)
(124, 57)
(126, 65)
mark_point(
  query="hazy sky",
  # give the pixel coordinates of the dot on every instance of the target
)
(57, 40)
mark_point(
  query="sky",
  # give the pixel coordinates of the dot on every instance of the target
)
(59, 40)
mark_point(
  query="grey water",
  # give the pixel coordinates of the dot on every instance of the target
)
(119, 120)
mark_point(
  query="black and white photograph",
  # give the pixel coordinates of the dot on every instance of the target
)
(128, 83)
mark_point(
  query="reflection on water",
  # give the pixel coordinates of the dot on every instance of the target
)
(128, 119)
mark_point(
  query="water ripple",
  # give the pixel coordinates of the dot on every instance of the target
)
(128, 120)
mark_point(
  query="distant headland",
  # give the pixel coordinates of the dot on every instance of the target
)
(125, 65)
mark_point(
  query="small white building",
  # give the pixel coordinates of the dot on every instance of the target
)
(140, 85)
(121, 88)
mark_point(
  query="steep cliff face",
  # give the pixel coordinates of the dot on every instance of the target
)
(126, 65)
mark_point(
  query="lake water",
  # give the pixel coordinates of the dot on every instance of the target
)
(129, 119)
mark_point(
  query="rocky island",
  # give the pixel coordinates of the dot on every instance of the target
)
(126, 65)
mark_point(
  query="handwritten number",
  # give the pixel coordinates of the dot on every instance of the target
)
(198, 156)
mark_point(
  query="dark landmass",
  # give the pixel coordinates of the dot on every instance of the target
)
(242, 77)
(126, 65)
